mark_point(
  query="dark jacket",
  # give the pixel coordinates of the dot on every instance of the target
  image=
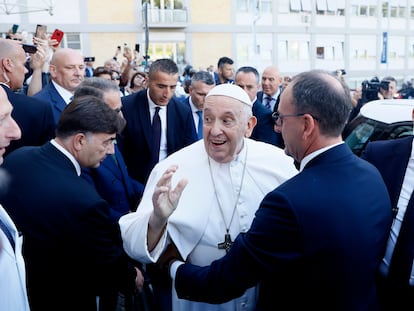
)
(137, 136)
(316, 240)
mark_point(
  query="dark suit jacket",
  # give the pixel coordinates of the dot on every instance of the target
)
(34, 118)
(50, 95)
(316, 241)
(187, 102)
(391, 158)
(137, 136)
(113, 183)
(72, 249)
(264, 129)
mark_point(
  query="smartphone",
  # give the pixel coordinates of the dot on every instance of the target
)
(57, 35)
(41, 31)
(28, 48)
(137, 47)
(14, 28)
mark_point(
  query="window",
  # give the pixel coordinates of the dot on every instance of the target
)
(298, 50)
(295, 5)
(72, 41)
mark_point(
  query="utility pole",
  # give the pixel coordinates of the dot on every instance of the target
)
(256, 17)
(145, 17)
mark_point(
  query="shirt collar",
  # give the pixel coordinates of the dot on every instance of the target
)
(68, 154)
(314, 154)
(66, 95)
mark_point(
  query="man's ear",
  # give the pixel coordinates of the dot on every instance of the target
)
(7, 64)
(52, 70)
(79, 141)
(309, 125)
(251, 123)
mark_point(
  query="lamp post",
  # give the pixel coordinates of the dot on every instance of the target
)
(256, 17)
(145, 19)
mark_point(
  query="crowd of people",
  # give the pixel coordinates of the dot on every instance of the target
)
(223, 189)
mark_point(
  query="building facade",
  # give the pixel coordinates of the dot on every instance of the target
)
(366, 38)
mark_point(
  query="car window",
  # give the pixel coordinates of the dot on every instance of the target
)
(358, 138)
(401, 131)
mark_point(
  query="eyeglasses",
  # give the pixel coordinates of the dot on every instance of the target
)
(278, 118)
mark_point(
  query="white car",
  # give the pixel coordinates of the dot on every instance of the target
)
(379, 120)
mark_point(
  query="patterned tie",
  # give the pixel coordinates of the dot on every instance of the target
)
(200, 124)
(156, 136)
(402, 258)
(269, 101)
(7, 233)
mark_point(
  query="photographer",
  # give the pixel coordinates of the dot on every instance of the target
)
(390, 91)
(374, 90)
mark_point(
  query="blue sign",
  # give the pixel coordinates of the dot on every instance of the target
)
(384, 48)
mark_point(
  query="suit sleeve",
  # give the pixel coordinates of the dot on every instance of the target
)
(256, 254)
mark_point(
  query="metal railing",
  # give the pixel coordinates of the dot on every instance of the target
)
(167, 16)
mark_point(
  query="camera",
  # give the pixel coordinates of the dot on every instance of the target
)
(89, 59)
(28, 48)
(370, 89)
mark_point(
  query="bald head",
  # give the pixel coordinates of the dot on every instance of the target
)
(271, 80)
(67, 68)
(8, 47)
(12, 63)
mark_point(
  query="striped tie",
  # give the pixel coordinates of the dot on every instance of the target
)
(269, 101)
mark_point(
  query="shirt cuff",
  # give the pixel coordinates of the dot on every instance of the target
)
(174, 267)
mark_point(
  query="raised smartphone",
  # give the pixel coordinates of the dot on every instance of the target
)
(41, 31)
(14, 28)
(57, 35)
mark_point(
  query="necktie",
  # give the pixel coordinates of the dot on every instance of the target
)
(7, 233)
(114, 154)
(269, 101)
(402, 258)
(200, 124)
(156, 136)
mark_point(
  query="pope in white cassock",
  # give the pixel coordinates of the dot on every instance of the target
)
(227, 176)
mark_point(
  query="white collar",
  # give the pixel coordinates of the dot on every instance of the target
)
(314, 154)
(68, 154)
(66, 95)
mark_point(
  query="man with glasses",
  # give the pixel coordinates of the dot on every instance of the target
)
(318, 238)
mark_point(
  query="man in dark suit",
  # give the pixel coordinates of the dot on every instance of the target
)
(72, 248)
(177, 128)
(111, 178)
(269, 97)
(201, 83)
(67, 71)
(33, 116)
(395, 161)
(318, 238)
(248, 79)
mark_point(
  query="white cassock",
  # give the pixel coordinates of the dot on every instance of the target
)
(13, 295)
(197, 225)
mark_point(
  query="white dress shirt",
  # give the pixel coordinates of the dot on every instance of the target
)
(13, 294)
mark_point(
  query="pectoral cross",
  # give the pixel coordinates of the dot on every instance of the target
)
(226, 244)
